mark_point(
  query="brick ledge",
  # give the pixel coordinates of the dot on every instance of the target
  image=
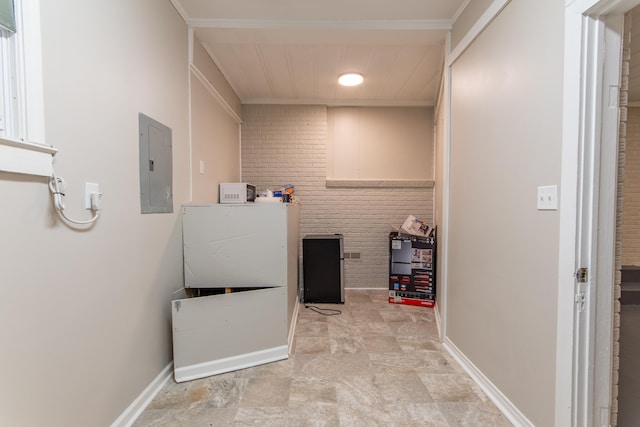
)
(380, 183)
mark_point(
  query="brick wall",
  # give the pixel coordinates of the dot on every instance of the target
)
(627, 132)
(288, 145)
(631, 213)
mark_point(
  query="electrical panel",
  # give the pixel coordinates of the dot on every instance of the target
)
(156, 171)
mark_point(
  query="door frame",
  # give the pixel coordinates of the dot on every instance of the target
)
(587, 215)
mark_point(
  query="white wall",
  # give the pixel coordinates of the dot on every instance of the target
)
(203, 62)
(84, 315)
(215, 129)
(506, 118)
(380, 143)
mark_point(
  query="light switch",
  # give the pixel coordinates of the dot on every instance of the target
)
(201, 167)
(548, 198)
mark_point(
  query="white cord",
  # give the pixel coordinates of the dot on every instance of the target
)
(57, 186)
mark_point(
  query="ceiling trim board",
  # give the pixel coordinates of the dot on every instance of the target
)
(408, 24)
(180, 10)
(214, 92)
(338, 103)
(487, 17)
(222, 70)
(461, 9)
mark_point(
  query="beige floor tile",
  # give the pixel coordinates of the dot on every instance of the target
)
(476, 414)
(452, 388)
(358, 391)
(381, 344)
(376, 415)
(263, 417)
(308, 391)
(424, 330)
(395, 316)
(375, 364)
(224, 393)
(280, 369)
(403, 388)
(312, 345)
(199, 417)
(181, 395)
(413, 362)
(411, 344)
(261, 392)
(317, 414)
(426, 414)
(347, 345)
(381, 389)
(335, 365)
(316, 328)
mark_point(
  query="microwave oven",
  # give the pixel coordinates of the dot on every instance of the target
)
(237, 192)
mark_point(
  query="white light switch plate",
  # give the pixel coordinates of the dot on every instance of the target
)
(548, 198)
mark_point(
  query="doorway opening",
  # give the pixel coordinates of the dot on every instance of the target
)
(626, 396)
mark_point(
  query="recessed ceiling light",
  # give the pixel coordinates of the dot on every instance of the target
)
(350, 79)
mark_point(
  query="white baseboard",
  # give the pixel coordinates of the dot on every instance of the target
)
(131, 414)
(228, 364)
(292, 328)
(508, 409)
(436, 312)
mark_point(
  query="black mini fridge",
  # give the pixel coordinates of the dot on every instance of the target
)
(323, 270)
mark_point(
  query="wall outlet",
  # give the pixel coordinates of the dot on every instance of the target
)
(89, 188)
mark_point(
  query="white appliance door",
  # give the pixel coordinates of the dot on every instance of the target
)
(235, 246)
(226, 332)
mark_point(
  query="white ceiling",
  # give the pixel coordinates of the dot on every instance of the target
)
(292, 51)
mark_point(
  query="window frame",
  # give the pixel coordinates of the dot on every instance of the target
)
(22, 142)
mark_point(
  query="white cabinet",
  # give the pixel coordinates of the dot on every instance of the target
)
(244, 259)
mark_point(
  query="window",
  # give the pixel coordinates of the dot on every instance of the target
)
(7, 15)
(7, 89)
(22, 142)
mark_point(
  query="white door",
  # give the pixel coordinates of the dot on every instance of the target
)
(597, 239)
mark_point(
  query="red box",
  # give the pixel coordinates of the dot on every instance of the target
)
(398, 299)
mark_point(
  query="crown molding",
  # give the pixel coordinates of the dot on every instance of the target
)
(339, 102)
(412, 24)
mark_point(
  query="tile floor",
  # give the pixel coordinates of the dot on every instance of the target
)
(376, 364)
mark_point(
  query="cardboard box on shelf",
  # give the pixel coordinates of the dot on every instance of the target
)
(415, 227)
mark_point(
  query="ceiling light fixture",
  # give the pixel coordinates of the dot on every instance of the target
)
(350, 79)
